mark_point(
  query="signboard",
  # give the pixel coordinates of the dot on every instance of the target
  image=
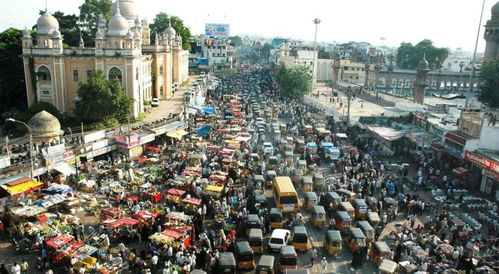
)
(454, 151)
(203, 62)
(100, 151)
(4, 162)
(482, 161)
(99, 144)
(218, 30)
(55, 150)
(94, 136)
(147, 138)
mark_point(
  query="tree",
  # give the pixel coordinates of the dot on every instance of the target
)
(102, 99)
(294, 82)
(236, 41)
(161, 22)
(12, 82)
(489, 89)
(91, 10)
(408, 56)
(266, 51)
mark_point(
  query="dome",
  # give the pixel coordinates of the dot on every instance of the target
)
(118, 25)
(26, 33)
(99, 35)
(102, 22)
(46, 23)
(44, 125)
(129, 35)
(127, 8)
(56, 34)
(495, 11)
(170, 31)
(423, 64)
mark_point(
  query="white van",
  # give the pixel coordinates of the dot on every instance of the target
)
(278, 239)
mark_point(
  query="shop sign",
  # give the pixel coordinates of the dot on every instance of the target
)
(54, 150)
(4, 162)
(454, 151)
(100, 151)
(159, 130)
(147, 138)
(491, 174)
(482, 161)
(94, 136)
(68, 154)
(128, 140)
(99, 144)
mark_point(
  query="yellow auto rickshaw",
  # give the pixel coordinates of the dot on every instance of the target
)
(333, 242)
(360, 207)
(227, 262)
(355, 239)
(307, 183)
(255, 239)
(367, 229)
(297, 177)
(310, 200)
(269, 177)
(300, 146)
(289, 157)
(380, 251)
(265, 265)
(349, 195)
(342, 220)
(373, 218)
(276, 219)
(333, 200)
(388, 267)
(300, 238)
(318, 216)
(347, 206)
(258, 181)
(273, 163)
(302, 164)
(288, 258)
(255, 159)
(252, 221)
(319, 181)
(244, 255)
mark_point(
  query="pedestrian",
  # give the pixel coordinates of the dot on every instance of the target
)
(313, 256)
(24, 267)
(15, 269)
(323, 265)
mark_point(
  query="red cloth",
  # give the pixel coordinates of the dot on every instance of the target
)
(187, 242)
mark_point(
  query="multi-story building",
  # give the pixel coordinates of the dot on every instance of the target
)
(123, 51)
(217, 52)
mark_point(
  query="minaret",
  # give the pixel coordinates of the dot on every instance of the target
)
(420, 83)
(366, 69)
(336, 68)
(389, 75)
(491, 35)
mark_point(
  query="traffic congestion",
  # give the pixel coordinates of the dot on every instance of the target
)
(255, 183)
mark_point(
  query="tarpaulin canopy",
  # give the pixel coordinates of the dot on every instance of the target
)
(120, 222)
(208, 110)
(60, 241)
(172, 233)
(326, 144)
(192, 201)
(311, 144)
(21, 185)
(65, 169)
(58, 189)
(176, 192)
(388, 133)
(204, 130)
(145, 215)
(177, 134)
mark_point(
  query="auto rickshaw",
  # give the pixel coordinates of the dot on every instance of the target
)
(373, 218)
(288, 258)
(333, 242)
(252, 221)
(282, 127)
(289, 157)
(297, 176)
(265, 265)
(367, 229)
(349, 195)
(244, 255)
(297, 271)
(318, 216)
(347, 206)
(213, 191)
(227, 262)
(380, 251)
(259, 180)
(333, 200)
(300, 146)
(255, 159)
(307, 183)
(310, 199)
(302, 164)
(388, 266)
(318, 181)
(360, 207)
(342, 220)
(261, 200)
(300, 238)
(355, 239)
(269, 177)
(255, 239)
(273, 163)
(276, 219)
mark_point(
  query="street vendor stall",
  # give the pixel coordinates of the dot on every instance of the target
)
(21, 185)
(174, 195)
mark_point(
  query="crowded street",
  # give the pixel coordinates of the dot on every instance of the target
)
(250, 182)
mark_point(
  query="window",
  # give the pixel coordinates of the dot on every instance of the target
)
(89, 73)
(43, 74)
(137, 74)
(75, 75)
(46, 92)
(115, 74)
(161, 69)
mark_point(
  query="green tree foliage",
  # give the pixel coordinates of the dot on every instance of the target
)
(236, 41)
(101, 100)
(91, 10)
(294, 82)
(408, 56)
(12, 82)
(489, 89)
(161, 22)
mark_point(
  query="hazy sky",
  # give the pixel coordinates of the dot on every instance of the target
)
(449, 23)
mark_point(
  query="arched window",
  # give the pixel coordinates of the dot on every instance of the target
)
(115, 45)
(98, 45)
(161, 69)
(115, 74)
(122, 45)
(43, 74)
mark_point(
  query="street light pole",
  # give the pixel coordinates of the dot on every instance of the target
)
(470, 84)
(317, 21)
(30, 143)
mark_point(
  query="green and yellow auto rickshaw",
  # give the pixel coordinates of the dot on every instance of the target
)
(276, 219)
(360, 207)
(333, 242)
(367, 229)
(310, 199)
(342, 221)
(318, 216)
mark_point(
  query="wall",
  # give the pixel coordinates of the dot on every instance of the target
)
(488, 136)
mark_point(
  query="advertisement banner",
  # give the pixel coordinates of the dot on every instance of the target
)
(99, 144)
(55, 150)
(482, 161)
(94, 136)
(218, 30)
(4, 162)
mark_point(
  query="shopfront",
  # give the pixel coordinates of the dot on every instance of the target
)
(488, 162)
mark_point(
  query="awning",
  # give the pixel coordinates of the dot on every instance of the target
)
(208, 110)
(172, 233)
(204, 130)
(177, 134)
(22, 185)
(437, 147)
(459, 170)
(456, 138)
(65, 169)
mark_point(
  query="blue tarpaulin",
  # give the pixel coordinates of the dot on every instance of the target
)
(203, 130)
(326, 144)
(311, 144)
(208, 110)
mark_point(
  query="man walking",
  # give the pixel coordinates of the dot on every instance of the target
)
(313, 256)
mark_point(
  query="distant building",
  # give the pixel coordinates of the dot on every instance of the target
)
(491, 35)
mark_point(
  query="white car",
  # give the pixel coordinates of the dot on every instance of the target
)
(155, 102)
(268, 148)
(278, 239)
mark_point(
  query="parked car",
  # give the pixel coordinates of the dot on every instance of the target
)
(155, 102)
(279, 238)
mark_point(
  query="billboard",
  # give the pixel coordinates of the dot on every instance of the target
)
(218, 30)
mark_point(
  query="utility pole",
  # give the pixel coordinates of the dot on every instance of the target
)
(349, 97)
(470, 85)
(30, 143)
(317, 21)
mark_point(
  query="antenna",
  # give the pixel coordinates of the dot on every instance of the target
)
(170, 21)
(46, 6)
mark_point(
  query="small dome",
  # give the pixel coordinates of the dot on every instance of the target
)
(137, 22)
(118, 25)
(102, 22)
(45, 125)
(127, 8)
(46, 24)
(129, 35)
(495, 11)
(26, 33)
(99, 35)
(423, 64)
(170, 31)
(56, 34)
